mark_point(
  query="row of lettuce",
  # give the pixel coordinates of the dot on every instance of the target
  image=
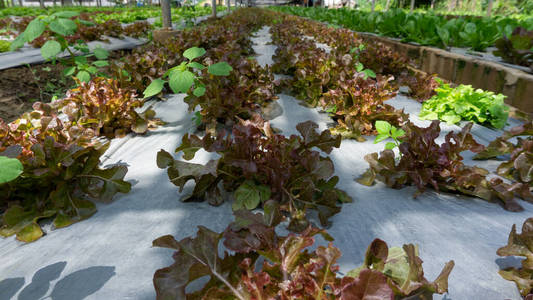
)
(287, 178)
(513, 38)
(102, 14)
(90, 25)
(60, 145)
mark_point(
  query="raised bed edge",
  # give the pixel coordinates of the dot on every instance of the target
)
(517, 85)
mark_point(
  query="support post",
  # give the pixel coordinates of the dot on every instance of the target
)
(373, 5)
(412, 5)
(489, 8)
(214, 8)
(165, 14)
(452, 5)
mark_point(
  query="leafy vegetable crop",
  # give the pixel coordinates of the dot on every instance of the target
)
(144, 65)
(59, 29)
(258, 165)
(225, 39)
(517, 47)
(265, 265)
(520, 244)
(59, 23)
(520, 165)
(233, 88)
(466, 103)
(421, 86)
(374, 56)
(424, 29)
(60, 152)
(107, 109)
(240, 95)
(336, 81)
(61, 175)
(424, 163)
(63, 30)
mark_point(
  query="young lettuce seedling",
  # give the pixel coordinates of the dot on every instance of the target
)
(385, 131)
(359, 66)
(183, 76)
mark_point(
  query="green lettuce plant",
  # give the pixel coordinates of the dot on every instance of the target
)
(466, 103)
(481, 36)
(422, 28)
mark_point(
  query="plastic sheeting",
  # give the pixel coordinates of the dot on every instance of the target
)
(109, 256)
(30, 55)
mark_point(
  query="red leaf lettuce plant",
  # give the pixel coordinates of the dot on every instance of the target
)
(520, 165)
(106, 108)
(517, 48)
(61, 176)
(520, 245)
(257, 165)
(265, 265)
(240, 95)
(222, 99)
(424, 163)
(421, 85)
(336, 81)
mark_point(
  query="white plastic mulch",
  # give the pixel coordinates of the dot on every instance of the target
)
(29, 55)
(109, 256)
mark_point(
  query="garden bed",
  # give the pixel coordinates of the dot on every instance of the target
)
(17, 96)
(109, 255)
(461, 68)
(407, 32)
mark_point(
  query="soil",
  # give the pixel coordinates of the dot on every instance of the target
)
(22, 86)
